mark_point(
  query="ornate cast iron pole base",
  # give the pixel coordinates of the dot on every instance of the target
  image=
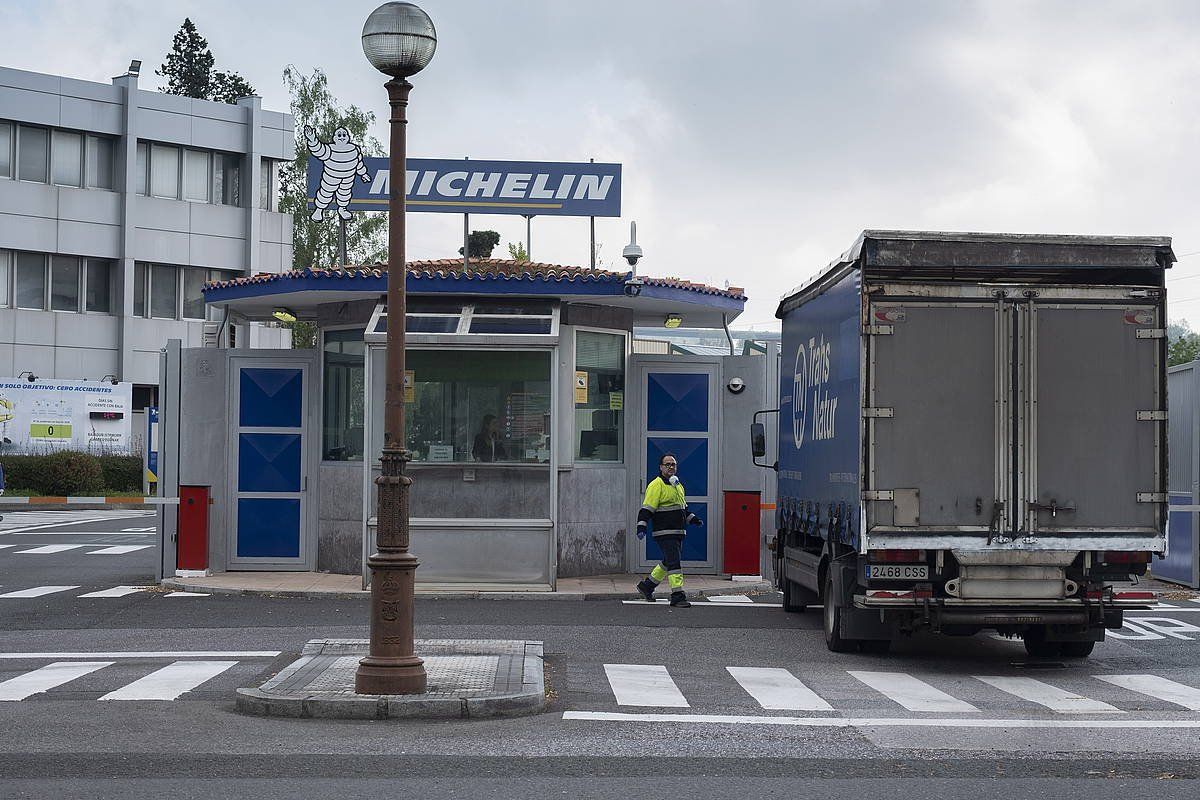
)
(392, 667)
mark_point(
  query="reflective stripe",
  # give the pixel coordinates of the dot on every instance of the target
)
(676, 532)
(648, 508)
(675, 580)
(656, 574)
(672, 507)
(675, 571)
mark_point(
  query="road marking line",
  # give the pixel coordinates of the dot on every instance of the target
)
(186, 594)
(60, 524)
(3, 546)
(79, 533)
(730, 598)
(644, 685)
(1159, 688)
(140, 530)
(882, 722)
(116, 591)
(171, 681)
(910, 692)
(47, 549)
(37, 591)
(1049, 696)
(47, 678)
(120, 549)
(777, 689)
(149, 654)
(662, 601)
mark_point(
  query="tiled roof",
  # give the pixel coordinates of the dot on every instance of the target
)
(484, 269)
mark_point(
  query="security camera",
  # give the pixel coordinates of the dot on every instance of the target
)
(633, 287)
(736, 385)
(632, 252)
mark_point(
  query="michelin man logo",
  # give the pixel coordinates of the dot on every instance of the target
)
(341, 160)
(811, 375)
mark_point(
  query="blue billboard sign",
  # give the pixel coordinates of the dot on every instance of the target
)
(529, 188)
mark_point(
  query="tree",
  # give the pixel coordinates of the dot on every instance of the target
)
(189, 70)
(1183, 344)
(516, 251)
(315, 244)
(481, 243)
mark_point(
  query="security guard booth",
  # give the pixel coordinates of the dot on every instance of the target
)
(525, 416)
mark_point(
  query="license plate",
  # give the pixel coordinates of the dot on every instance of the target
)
(898, 572)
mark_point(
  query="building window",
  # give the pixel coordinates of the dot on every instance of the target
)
(64, 283)
(479, 406)
(29, 282)
(268, 199)
(99, 162)
(227, 179)
(6, 149)
(164, 171)
(141, 276)
(197, 176)
(344, 378)
(5, 272)
(66, 158)
(143, 168)
(193, 295)
(33, 154)
(599, 396)
(99, 286)
(164, 292)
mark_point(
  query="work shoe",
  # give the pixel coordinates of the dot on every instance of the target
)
(646, 589)
(679, 600)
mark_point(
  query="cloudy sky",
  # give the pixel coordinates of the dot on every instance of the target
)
(758, 137)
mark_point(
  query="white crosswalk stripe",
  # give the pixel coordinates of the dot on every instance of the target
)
(912, 693)
(47, 549)
(1046, 695)
(116, 591)
(644, 685)
(1158, 688)
(3, 546)
(171, 681)
(120, 549)
(777, 689)
(37, 591)
(47, 678)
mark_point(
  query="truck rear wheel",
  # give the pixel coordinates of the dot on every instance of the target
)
(1078, 649)
(1037, 646)
(832, 614)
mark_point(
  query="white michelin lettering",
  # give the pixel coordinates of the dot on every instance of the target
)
(483, 184)
(593, 187)
(516, 184)
(564, 187)
(539, 190)
(446, 184)
(381, 182)
(426, 183)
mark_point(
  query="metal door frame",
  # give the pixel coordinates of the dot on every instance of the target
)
(639, 367)
(310, 428)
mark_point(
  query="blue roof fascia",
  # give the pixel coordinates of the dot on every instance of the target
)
(484, 284)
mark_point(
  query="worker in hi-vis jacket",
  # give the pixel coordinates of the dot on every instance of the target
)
(665, 510)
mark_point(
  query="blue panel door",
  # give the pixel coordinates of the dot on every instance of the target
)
(678, 410)
(269, 465)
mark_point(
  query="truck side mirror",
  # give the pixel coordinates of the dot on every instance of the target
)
(758, 439)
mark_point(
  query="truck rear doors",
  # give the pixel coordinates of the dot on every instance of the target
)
(1020, 413)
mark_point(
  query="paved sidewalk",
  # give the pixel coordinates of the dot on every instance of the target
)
(467, 679)
(324, 584)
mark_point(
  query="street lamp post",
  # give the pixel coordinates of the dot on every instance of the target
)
(399, 40)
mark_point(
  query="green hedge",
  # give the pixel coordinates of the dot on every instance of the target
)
(71, 473)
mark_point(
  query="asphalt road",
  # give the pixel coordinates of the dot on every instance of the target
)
(643, 699)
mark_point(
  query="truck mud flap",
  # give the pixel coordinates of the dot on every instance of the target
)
(857, 623)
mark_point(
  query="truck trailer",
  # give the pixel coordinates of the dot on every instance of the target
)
(972, 436)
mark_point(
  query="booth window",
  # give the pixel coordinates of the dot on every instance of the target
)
(479, 406)
(471, 318)
(600, 400)
(345, 390)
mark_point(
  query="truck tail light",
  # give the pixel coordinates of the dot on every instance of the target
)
(1135, 595)
(896, 555)
(1126, 557)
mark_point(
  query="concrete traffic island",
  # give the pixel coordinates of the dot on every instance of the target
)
(468, 679)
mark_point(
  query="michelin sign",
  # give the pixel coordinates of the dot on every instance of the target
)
(341, 180)
(64, 415)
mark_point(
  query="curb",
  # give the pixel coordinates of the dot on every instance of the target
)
(740, 589)
(530, 700)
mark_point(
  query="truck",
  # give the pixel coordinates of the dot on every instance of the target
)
(972, 436)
